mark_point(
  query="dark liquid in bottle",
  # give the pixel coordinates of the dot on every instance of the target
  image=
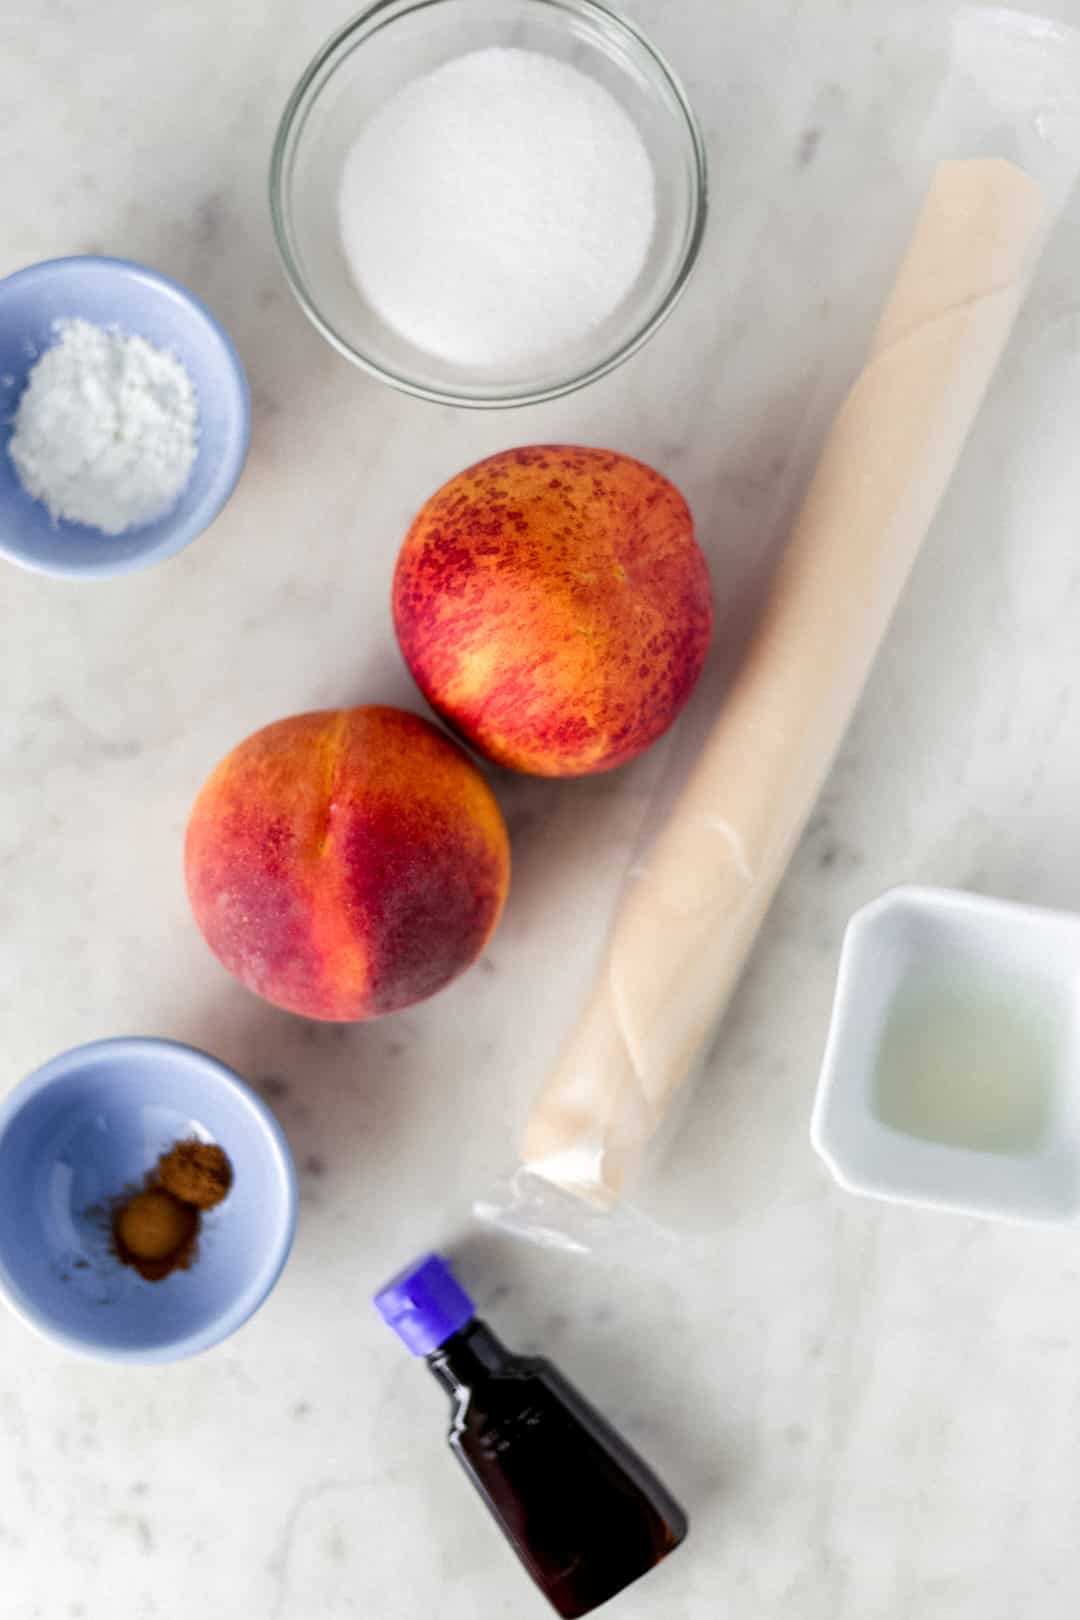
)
(584, 1513)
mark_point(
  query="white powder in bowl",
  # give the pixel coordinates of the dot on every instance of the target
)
(106, 429)
(497, 208)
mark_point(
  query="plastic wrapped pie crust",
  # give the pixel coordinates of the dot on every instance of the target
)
(692, 908)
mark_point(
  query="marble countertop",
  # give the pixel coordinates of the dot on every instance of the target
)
(870, 1412)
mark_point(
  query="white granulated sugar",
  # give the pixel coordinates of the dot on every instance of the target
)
(106, 430)
(497, 208)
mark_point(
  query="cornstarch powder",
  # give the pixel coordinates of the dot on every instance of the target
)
(106, 429)
(497, 208)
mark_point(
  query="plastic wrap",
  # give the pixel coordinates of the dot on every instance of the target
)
(1005, 147)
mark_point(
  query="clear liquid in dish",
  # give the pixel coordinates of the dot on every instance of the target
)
(972, 1059)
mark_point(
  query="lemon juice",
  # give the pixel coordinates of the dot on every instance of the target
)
(973, 1060)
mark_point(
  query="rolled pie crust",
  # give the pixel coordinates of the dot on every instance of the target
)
(689, 920)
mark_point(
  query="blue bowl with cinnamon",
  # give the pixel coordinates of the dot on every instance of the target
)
(147, 1200)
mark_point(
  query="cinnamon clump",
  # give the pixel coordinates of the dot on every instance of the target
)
(197, 1172)
(155, 1233)
(156, 1230)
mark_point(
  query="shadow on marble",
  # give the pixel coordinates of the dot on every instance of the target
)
(340, 1091)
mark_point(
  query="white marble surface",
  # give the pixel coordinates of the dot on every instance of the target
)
(871, 1414)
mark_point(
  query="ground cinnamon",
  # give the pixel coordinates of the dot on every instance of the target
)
(156, 1229)
(198, 1172)
(155, 1233)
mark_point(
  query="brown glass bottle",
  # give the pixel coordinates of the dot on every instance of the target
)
(583, 1512)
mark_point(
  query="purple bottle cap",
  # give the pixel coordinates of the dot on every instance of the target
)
(425, 1304)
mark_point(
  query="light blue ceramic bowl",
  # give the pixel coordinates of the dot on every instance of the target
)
(146, 304)
(90, 1124)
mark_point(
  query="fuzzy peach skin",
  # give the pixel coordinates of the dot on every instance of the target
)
(347, 863)
(553, 605)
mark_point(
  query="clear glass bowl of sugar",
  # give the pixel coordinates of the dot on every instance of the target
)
(488, 202)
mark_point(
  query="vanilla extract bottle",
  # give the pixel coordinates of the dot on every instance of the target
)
(584, 1513)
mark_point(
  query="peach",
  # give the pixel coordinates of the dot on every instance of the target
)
(554, 607)
(347, 863)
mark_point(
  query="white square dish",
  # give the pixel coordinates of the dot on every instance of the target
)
(951, 1076)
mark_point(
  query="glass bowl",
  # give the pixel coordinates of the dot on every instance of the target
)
(395, 41)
